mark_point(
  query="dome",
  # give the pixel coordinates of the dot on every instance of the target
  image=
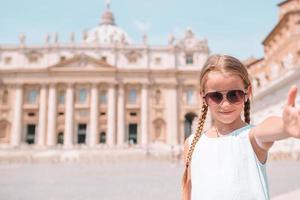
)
(107, 32)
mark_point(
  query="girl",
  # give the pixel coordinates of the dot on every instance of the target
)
(228, 160)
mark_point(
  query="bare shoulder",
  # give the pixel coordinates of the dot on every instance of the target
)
(260, 149)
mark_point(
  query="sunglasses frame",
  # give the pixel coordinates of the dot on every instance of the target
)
(225, 96)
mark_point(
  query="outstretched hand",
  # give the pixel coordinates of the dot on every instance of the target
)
(291, 115)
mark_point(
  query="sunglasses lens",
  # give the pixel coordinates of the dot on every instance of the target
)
(235, 96)
(214, 98)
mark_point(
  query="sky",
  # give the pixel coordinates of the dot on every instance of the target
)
(234, 27)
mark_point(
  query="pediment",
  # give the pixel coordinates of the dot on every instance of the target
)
(82, 62)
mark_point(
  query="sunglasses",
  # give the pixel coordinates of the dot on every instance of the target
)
(232, 96)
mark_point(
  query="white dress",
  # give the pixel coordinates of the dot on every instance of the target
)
(226, 168)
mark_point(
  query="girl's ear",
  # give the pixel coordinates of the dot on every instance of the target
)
(249, 92)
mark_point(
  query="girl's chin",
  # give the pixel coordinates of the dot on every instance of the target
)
(226, 119)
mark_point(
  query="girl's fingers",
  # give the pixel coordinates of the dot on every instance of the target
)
(292, 96)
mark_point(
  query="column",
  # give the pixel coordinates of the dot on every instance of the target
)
(42, 116)
(111, 113)
(121, 115)
(16, 130)
(94, 115)
(144, 115)
(172, 115)
(69, 117)
(52, 116)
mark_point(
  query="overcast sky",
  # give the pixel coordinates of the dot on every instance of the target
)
(235, 27)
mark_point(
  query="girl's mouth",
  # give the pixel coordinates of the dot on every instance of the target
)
(226, 113)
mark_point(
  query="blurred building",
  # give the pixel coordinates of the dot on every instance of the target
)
(278, 70)
(102, 90)
(106, 90)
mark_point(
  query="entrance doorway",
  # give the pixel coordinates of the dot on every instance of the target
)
(81, 133)
(30, 133)
(132, 133)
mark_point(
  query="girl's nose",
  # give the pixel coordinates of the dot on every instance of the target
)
(225, 103)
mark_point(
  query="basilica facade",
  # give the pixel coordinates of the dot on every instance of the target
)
(102, 90)
(106, 90)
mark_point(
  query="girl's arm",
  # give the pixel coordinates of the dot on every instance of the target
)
(277, 128)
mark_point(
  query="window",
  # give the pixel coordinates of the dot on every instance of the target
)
(33, 58)
(7, 60)
(132, 96)
(157, 97)
(103, 97)
(189, 60)
(3, 127)
(61, 97)
(133, 114)
(5, 97)
(132, 60)
(103, 59)
(82, 95)
(32, 96)
(157, 60)
(190, 96)
(62, 58)
(83, 113)
(31, 114)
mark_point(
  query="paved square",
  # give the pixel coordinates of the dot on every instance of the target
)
(135, 180)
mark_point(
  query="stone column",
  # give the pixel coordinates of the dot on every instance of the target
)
(111, 113)
(121, 115)
(172, 115)
(144, 115)
(16, 130)
(42, 116)
(69, 117)
(52, 115)
(94, 115)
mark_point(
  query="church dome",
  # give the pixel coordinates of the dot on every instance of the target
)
(107, 32)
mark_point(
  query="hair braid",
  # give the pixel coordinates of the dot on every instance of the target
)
(192, 147)
(247, 111)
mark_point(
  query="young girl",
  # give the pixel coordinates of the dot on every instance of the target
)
(227, 161)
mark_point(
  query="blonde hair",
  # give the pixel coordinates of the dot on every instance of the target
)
(215, 63)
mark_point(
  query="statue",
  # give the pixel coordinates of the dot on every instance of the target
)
(72, 37)
(56, 37)
(171, 39)
(145, 39)
(84, 35)
(22, 38)
(47, 38)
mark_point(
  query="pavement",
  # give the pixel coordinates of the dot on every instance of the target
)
(134, 180)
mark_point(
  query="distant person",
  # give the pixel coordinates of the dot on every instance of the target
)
(228, 161)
